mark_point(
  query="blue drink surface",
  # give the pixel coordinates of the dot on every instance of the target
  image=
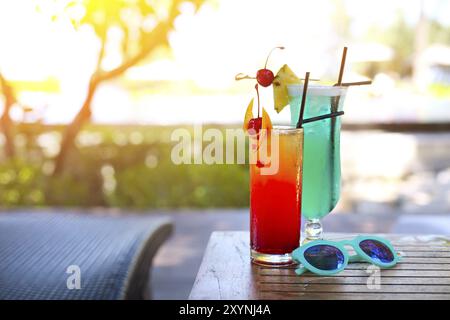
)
(321, 153)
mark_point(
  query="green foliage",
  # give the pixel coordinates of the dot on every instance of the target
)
(169, 185)
(439, 33)
(21, 184)
(70, 190)
(127, 167)
(402, 37)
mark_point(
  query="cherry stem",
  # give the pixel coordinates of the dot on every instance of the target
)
(241, 76)
(267, 60)
(257, 94)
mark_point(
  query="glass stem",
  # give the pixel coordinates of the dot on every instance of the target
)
(313, 230)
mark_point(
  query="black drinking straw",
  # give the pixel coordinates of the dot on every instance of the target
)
(302, 106)
(341, 70)
(324, 116)
(335, 100)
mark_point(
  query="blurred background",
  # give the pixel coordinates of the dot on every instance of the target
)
(91, 90)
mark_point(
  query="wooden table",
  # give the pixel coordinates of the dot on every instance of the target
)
(226, 273)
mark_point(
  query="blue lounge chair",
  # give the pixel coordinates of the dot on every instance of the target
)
(77, 256)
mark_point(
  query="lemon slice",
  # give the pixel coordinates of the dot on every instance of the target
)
(264, 121)
(248, 115)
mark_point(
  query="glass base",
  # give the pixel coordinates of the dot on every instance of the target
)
(273, 260)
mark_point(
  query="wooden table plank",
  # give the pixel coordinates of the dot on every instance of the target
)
(399, 266)
(351, 288)
(425, 254)
(400, 239)
(363, 273)
(226, 273)
(356, 280)
(350, 296)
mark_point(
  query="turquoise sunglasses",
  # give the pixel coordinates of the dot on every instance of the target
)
(324, 257)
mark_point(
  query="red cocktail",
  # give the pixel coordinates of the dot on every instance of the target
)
(275, 199)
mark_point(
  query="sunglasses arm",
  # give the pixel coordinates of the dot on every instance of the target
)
(299, 271)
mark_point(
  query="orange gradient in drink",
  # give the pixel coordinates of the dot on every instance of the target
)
(275, 199)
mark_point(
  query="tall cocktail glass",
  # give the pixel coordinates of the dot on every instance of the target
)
(321, 157)
(275, 198)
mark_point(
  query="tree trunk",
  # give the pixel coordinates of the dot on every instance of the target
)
(7, 127)
(73, 128)
(158, 35)
(5, 121)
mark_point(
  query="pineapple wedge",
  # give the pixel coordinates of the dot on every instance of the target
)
(283, 78)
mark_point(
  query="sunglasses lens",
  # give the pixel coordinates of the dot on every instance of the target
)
(324, 257)
(377, 250)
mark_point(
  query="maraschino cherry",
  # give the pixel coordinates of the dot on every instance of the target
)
(255, 124)
(265, 76)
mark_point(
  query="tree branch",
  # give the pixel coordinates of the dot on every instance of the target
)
(103, 37)
(161, 31)
(101, 54)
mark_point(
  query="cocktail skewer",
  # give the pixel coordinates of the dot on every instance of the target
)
(357, 83)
